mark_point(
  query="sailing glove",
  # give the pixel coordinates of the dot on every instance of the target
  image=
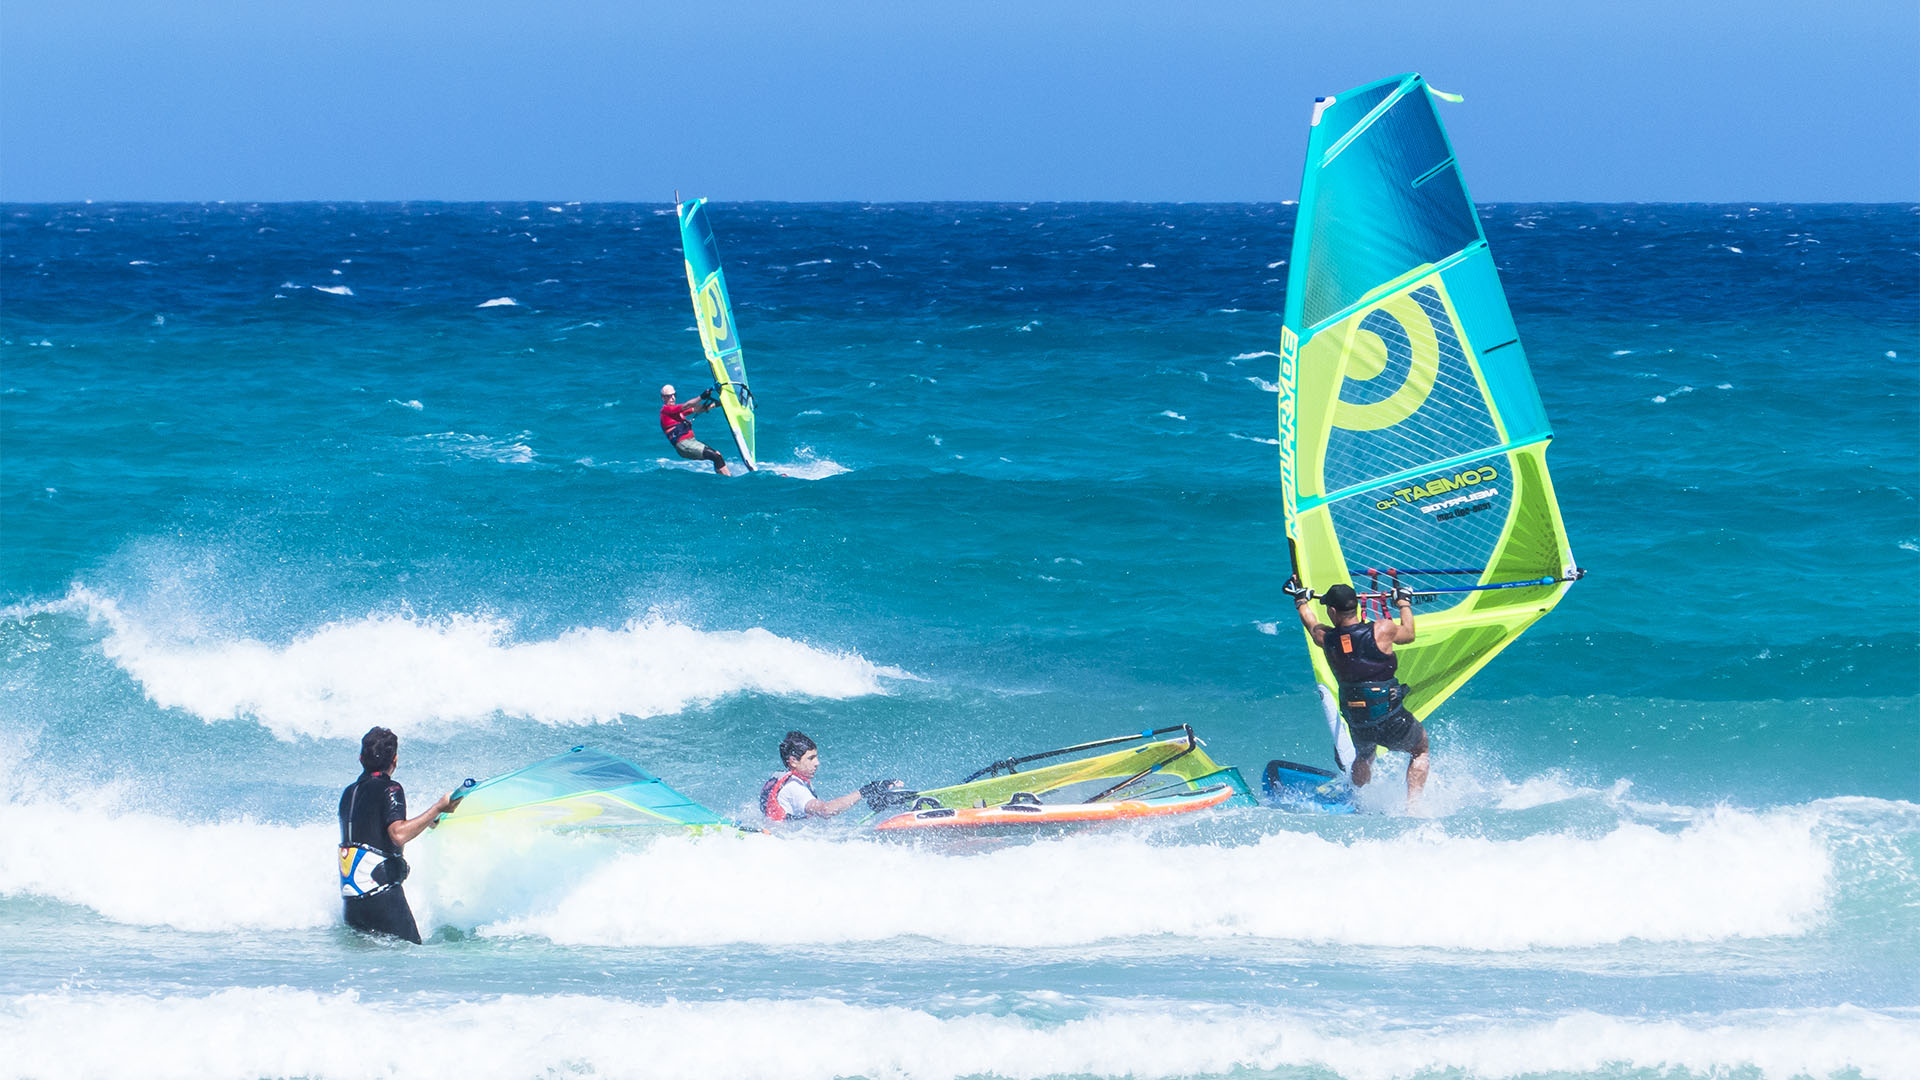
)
(881, 794)
(1299, 593)
(1402, 593)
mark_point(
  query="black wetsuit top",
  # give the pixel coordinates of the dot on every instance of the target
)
(367, 807)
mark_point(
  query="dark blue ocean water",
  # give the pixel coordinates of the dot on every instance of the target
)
(272, 474)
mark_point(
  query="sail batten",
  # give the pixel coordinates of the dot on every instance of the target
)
(1412, 436)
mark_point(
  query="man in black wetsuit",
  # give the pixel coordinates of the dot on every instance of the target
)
(374, 827)
(1360, 652)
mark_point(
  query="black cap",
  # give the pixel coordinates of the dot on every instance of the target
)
(1341, 598)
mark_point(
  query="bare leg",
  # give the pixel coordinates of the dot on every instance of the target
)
(719, 463)
(1417, 769)
(1362, 770)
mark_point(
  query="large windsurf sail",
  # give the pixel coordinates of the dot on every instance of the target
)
(580, 789)
(713, 312)
(1412, 438)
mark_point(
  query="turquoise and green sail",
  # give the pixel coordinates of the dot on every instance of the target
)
(1412, 438)
(580, 789)
(713, 312)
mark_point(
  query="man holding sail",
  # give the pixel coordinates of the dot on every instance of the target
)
(676, 422)
(1360, 652)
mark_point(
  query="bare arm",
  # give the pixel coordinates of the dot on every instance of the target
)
(402, 831)
(830, 807)
(1399, 633)
(1304, 609)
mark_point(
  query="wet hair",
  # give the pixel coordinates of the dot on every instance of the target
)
(377, 749)
(794, 747)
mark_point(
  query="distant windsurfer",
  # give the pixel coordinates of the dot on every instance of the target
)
(374, 827)
(1360, 652)
(676, 421)
(789, 795)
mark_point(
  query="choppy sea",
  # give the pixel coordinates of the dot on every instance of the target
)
(271, 474)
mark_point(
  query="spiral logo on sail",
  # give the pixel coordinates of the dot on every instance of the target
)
(713, 316)
(1392, 357)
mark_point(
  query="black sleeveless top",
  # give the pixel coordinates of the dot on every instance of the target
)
(1355, 657)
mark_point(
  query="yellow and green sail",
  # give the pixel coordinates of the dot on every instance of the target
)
(1412, 438)
(713, 312)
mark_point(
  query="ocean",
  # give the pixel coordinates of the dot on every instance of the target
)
(272, 474)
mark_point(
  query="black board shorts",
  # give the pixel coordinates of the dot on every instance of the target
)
(1397, 731)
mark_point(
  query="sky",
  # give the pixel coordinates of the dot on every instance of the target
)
(905, 100)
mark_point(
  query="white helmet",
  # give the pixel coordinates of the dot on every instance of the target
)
(667, 390)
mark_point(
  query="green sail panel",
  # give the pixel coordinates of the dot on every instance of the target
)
(580, 789)
(713, 313)
(1412, 438)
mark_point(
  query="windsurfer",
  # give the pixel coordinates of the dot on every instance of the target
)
(789, 795)
(374, 827)
(1360, 652)
(677, 423)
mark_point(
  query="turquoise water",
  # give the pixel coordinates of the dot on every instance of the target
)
(272, 474)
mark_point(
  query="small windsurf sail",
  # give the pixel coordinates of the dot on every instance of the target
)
(580, 789)
(713, 312)
(1129, 767)
(1412, 438)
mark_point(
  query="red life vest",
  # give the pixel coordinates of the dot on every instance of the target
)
(770, 794)
(674, 422)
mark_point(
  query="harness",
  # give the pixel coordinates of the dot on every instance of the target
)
(678, 428)
(368, 871)
(770, 795)
(1369, 693)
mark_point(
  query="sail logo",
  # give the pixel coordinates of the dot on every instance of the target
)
(1390, 357)
(1289, 401)
(1442, 485)
(715, 326)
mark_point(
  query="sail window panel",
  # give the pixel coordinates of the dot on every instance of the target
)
(1370, 223)
(1422, 535)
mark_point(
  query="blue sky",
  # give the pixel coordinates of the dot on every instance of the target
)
(903, 100)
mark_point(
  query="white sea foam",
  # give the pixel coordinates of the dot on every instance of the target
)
(1172, 414)
(411, 403)
(127, 867)
(500, 301)
(511, 450)
(1253, 438)
(1549, 890)
(806, 466)
(414, 673)
(1256, 355)
(278, 1031)
(1269, 387)
(335, 290)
